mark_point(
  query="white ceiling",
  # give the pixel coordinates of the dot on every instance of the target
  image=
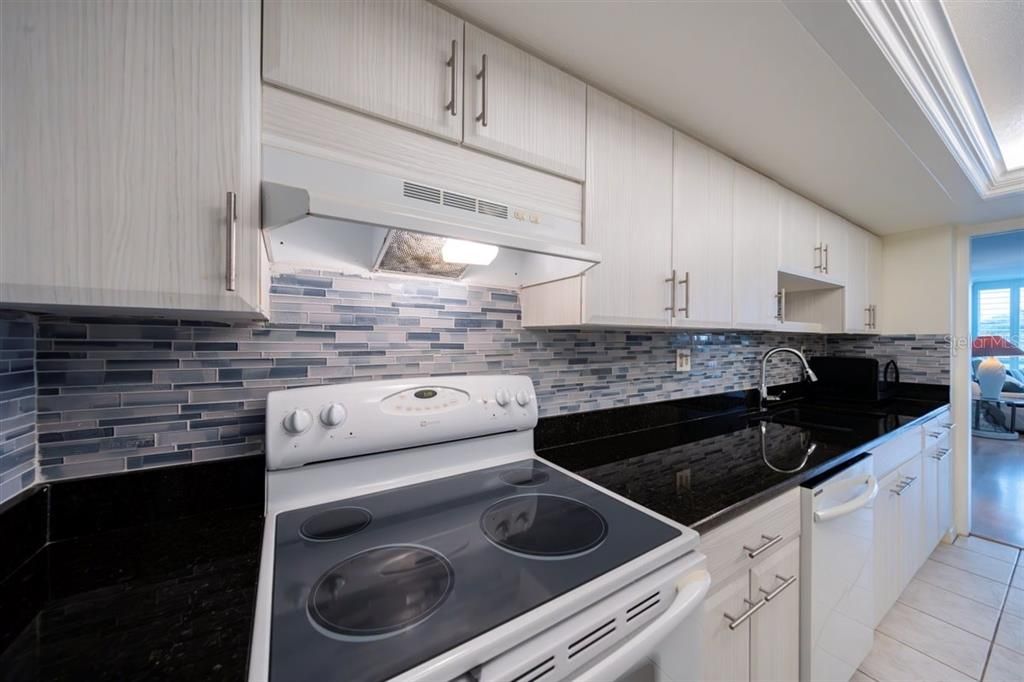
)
(797, 90)
(991, 38)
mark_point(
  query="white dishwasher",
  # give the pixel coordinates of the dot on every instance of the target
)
(837, 571)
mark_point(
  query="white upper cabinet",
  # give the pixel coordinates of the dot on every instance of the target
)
(125, 128)
(756, 205)
(799, 248)
(522, 108)
(863, 271)
(400, 60)
(702, 204)
(832, 236)
(627, 215)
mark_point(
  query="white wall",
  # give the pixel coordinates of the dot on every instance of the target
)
(917, 282)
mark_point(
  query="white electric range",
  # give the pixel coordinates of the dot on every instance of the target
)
(412, 534)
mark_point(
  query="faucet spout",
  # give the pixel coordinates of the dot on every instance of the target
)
(763, 390)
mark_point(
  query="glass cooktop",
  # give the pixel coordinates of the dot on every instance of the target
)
(371, 586)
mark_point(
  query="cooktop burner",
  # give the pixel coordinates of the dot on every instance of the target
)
(336, 523)
(524, 477)
(381, 591)
(371, 586)
(543, 525)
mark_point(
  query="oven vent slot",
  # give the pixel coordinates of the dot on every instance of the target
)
(643, 606)
(537, 672)
(591, 638)
(412, 190)
(454, 200)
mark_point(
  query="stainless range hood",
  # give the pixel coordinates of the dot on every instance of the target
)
(327, 214)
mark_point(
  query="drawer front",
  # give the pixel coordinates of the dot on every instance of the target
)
(898, 450)
(938, 431)
(728, 547)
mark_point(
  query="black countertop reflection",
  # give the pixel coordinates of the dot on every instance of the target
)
(704, 470)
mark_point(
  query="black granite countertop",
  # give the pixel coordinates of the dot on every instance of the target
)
(704, 468)
(117, 581)
(152, 575)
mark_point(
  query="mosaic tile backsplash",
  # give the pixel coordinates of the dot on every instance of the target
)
(922, 359)
(17, 404)
(121, 394)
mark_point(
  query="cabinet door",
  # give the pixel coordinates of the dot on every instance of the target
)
(522, 108)
(725, 653)
(125, 125)
(627, 215)
(702, 234)
(798, 236)
(911, 521)
(887, 545)
(857, 314)
(775, 629)
(944, 498)
(389, 59)
(929, 504)
(833, 232)
(755, 249)
(874, 277)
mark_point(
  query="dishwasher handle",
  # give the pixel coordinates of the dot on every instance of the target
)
(691, 590)
(859, 502)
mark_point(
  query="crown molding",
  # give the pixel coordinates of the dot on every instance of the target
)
(920, 44)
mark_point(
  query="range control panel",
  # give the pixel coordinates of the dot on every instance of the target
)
(319, 423)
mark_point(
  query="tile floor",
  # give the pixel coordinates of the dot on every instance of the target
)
(960, 618)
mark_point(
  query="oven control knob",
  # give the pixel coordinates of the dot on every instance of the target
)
(501, 397)
(333, 415)
(298, 421)
(523, 398)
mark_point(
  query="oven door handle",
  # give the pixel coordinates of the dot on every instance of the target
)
(691, 590)
(862, 500)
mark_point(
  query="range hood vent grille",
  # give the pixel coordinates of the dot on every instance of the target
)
(433, 195)
(412, 190)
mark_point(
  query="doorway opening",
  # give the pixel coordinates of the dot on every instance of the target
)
(997, 386)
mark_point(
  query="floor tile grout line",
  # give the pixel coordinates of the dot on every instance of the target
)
(940, 618)
(1009, 580)
(873, 679)
(943, 620)
(999, 621)
(961, 548)
(927, 655)
(962, 596)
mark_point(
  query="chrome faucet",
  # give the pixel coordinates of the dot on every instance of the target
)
(765, 398)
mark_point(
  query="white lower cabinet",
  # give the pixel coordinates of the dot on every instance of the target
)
(752, 617)
(914, 508)
(775, 630)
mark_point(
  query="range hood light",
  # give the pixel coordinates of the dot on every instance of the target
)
(468, 253)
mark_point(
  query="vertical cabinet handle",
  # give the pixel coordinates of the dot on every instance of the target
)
(452, 67)
(874, 319)
(232, 241)
(826, 258)
(672, 288)
(685, 281)
(780, 307)
(820, 267)
(867, 313)
(482, 77)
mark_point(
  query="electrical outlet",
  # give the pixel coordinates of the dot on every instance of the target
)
(682, 359)
(682, 481)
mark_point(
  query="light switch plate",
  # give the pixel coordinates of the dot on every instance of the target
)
(682, 359)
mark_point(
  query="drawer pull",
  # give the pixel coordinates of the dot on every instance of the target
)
(934, 434)
(770, 541)
(786, 582)
(735, 622)
(948, 426)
